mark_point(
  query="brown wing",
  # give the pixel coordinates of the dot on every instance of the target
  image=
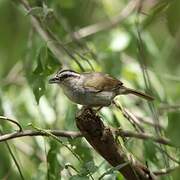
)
(99, 81)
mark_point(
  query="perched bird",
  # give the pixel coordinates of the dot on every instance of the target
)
(92, 89)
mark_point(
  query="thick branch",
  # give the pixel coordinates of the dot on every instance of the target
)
(102, 140)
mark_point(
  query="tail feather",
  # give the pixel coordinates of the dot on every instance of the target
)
(138, 93)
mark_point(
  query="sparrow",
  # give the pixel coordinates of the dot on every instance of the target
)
(92, 89)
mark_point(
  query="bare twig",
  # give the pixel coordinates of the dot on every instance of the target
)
(15, 161)
(165, 171)
(126, 133)
(49, 134)
(68, 134)
(143, 64)
(148, 121)
(130, 117)
(76, 134)
(14, 76)
(14, 158)
(12, 121)
(168, 155)
(169, 108)
(104, 25)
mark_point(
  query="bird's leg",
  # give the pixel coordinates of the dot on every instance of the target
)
(99, 108)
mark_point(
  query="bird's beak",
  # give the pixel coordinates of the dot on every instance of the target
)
(54, 80)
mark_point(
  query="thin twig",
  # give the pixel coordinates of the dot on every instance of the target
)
(12, 121)
(165, 171)
(14, 159)
(126, 133)
(169, 108)
(130, 117)
(148, 121)
(58, 140)
(76, 134)
(72, 167)
(168, 155)
(148, 85)
(61, 133)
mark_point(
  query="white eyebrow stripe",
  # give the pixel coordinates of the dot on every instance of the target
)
(68, 74)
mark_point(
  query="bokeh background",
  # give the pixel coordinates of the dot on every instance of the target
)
(142, 51)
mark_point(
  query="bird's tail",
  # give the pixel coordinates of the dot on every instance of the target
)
(125, 90)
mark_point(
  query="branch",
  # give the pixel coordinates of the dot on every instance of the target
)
(148, 121)
(126, 133)
(12, 121)
(102, 140)
(61, 133)
(74, 134)
(130, 117)
(104, 25)
(165, 171)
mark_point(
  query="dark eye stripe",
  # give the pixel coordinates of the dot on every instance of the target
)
(64, 76)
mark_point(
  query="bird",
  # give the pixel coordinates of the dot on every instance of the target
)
(92, 89)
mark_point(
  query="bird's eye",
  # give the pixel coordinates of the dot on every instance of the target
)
(64, 76)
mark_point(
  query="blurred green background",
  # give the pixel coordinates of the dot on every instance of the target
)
(26, 64)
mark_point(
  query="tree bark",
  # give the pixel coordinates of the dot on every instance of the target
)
(101, 139)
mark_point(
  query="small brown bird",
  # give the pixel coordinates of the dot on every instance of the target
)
(92, 89)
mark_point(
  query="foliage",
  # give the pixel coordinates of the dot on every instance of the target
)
(27, 63)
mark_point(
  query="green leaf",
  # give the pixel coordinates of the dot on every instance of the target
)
(150, 151)
(38, 11)
(173, 127)
(39, 68)
(53, 164)
(51, 64)
(38, 86)
(37, 79)
(81, 149)
(110, 171)
(173, 17)
(88, 168)
(46, 10)
(78, 177)
(46, 65)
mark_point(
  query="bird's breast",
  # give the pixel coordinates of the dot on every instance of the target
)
(82, 96)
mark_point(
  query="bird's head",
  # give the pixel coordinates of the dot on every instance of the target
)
(64, 76)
